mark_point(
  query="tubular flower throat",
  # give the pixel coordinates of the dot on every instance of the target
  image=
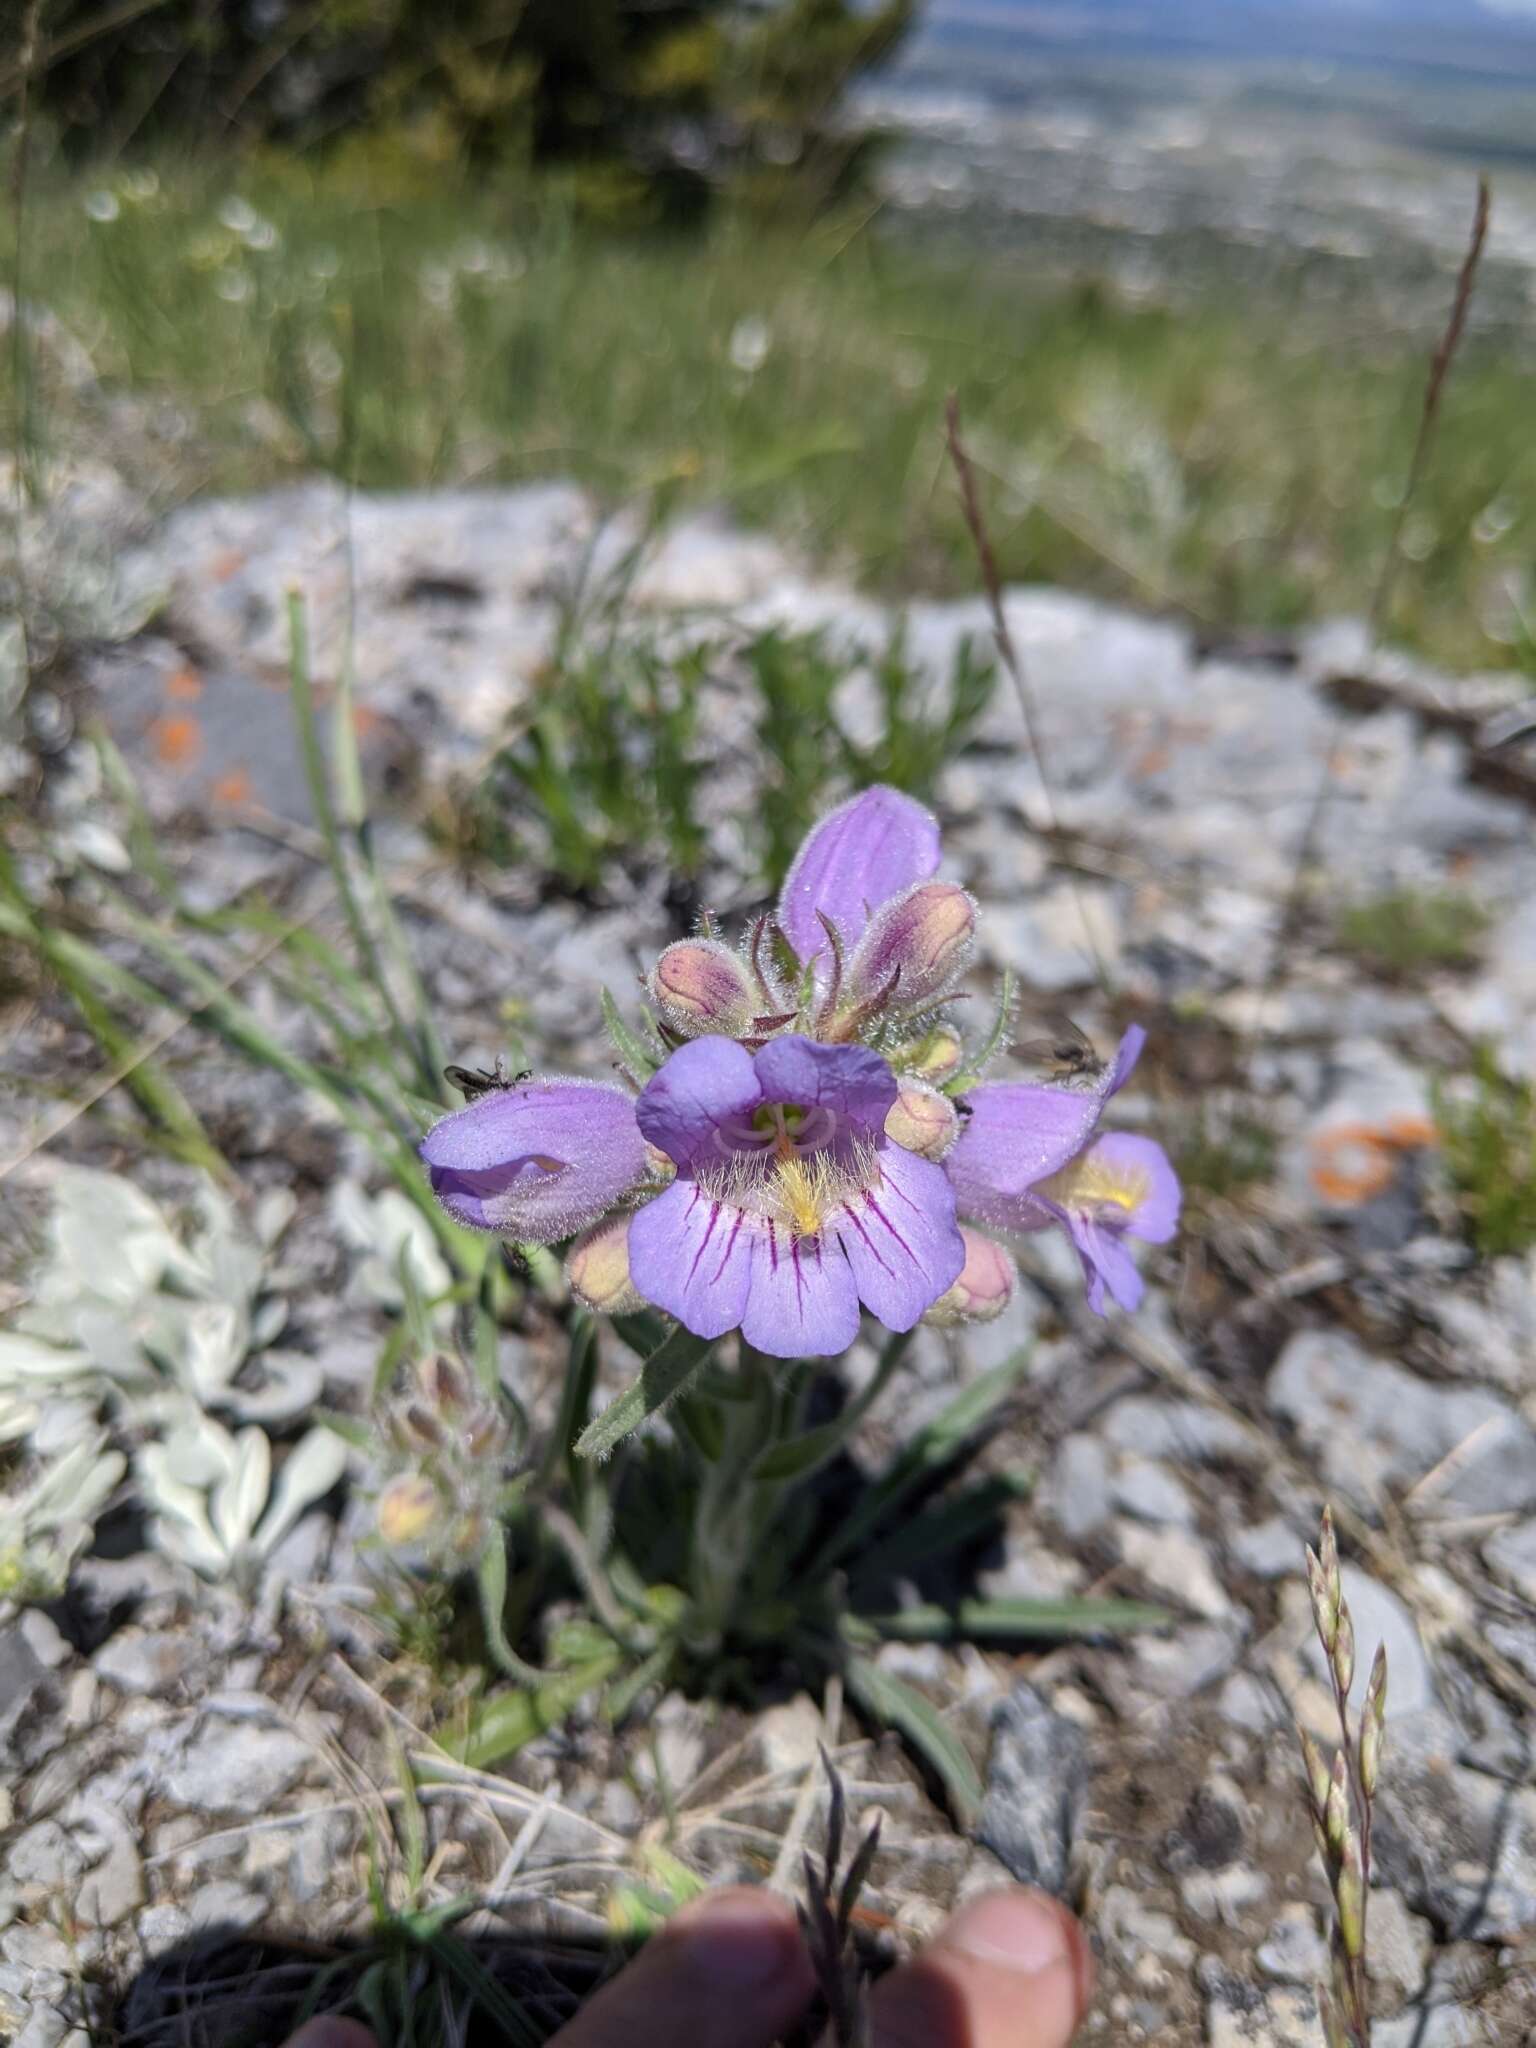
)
(804, 1141)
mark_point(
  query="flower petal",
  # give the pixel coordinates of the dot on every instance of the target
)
(900, 1238)
(804, 1301)
(535, 1162)
(703, 1083)
(1106, 1263)
(1018, 1132)
(853, 1082)
(868, 849)
(693, 1256)
(1142, 1163)
(1127, 1053)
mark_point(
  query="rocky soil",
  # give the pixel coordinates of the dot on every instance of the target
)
(176, 1760)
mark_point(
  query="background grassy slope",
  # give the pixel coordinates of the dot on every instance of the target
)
(1228, 459)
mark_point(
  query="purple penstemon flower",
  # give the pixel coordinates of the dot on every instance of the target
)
(793, 1156)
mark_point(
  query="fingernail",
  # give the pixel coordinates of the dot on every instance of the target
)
(1022, 1931)
(736, 1939)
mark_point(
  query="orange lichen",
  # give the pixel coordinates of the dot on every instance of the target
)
(1353, 1163)
(177, 741)
(228, 562)
(186, 686)
(232, 788)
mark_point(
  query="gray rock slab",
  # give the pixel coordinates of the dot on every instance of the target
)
(1373, 1427)
(1510, 1555)
(235, 1767)
(1459, 1846)
(1037, 1778)
(1076, 1494)
(153, 1661)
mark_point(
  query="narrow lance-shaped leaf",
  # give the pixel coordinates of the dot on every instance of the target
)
(668, 1369)
(929, 1452)
(902, 1707)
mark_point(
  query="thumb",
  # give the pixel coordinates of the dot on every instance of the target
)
(1011, 1969)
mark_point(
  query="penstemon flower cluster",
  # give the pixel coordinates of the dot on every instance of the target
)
(812, 1134)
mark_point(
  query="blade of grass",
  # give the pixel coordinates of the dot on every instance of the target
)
(92, 980)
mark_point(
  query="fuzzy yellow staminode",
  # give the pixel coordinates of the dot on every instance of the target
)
(1093, 1183)
(806, 1191)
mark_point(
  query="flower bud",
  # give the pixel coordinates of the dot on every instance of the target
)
(406, 1510)
(934, 1056)
(922, 1120)
(597, 1269)
(700, 985)
(983, 1290)
(444, 1383)
(926, 934)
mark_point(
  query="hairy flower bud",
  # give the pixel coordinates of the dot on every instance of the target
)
(983, 1290)
(922, 1120)
(934, 1056)
(700, 985)
(444, 1383)
(923, 936)
(406, 1510)
(597, 1268)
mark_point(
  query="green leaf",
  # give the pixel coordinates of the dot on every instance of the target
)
(668, 1369)
(1026, 1620)
(902, 1707)
(575, 1397)
(491, 1578)
(959, 1518)
(504, 1723)
(934, 1447)
(805, 1454)
(638, 1060)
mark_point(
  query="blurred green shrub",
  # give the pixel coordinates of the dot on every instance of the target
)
(606, 768)
(1488, 1134)
(652, 107)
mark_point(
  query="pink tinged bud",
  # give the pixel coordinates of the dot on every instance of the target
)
(923, 935)
(922, 1120)
(597, 1268)
(983, 1290)
(407, 1509)
(700, 985)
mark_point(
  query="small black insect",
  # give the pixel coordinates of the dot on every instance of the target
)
(473, 1082)
(1065, 1050)
(964, 1109)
